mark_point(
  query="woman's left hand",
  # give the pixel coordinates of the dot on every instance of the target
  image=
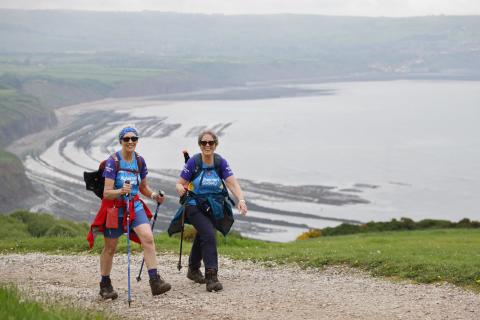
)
(242, 207)
(157, 197)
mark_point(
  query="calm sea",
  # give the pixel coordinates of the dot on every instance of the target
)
(417, 143)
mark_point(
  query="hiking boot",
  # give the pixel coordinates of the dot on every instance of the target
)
(159, 286)
(195, 275)
(212, 280)
(106, 290)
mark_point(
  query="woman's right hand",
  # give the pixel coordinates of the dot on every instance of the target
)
(126, 189)
(180, 189)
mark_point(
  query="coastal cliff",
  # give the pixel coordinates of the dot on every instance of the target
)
(14, 182)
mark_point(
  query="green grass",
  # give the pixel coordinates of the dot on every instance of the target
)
(24, 225)
(423, 256)
(13, 307)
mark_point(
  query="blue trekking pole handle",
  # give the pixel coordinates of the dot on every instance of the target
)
(160, 192)
(127, 199)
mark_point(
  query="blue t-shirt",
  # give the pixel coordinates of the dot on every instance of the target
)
(211, 182)
(121, 176)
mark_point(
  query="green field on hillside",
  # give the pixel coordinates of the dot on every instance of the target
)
(15, 106)
(81, 71)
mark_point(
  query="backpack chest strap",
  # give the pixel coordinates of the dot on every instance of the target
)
(115, 157)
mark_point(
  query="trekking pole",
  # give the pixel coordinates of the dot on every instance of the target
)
(160, 192)
(127, 199)
(179, 266)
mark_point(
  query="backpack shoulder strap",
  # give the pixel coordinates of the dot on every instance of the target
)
(217, 163)
(198, 165)
(139, 162)
(217, 160)
(117, 161)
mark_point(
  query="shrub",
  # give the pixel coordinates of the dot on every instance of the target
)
(12, 228)
(466, 223)
(393, 225)
(189, 233)
(431, 223)
(37, 223)
(233, 234)
(342, 229)
(61, 230)
(43, 224)
(407, 223)
(21, 215)
(312, 233)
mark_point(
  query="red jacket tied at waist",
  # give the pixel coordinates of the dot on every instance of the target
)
(98, 224)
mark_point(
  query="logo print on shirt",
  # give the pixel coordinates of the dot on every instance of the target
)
(210, 179)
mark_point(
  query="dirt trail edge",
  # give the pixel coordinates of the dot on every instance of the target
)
(251, 291)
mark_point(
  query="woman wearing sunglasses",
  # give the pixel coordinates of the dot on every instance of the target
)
(126, 175)
(204, 180)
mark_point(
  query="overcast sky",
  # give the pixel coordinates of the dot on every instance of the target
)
(393, 8)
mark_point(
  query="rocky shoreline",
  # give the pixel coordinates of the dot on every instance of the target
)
(67, 197)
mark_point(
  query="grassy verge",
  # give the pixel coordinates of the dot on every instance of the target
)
(423, 256)
(13, 307)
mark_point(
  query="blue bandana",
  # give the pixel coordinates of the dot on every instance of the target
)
(125, 131)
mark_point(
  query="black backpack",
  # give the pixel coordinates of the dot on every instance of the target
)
(95, 182)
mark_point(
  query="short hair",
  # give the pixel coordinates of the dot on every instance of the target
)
(209, 132)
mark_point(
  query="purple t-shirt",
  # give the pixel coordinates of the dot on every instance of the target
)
(189, 169)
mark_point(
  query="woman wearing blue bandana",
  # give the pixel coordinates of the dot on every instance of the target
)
(126, 174)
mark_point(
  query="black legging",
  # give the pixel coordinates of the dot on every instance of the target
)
(205, 243)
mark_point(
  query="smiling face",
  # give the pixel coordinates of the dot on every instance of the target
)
(207, 144)
(129, 142)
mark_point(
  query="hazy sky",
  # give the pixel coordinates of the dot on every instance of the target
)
(393, 8)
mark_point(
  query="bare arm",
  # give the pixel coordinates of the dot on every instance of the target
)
(147, 192)
(234, 187)
(181, 186)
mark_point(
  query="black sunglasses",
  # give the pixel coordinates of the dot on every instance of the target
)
(210, 143)
(127, 139)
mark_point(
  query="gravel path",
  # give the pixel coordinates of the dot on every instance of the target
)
(251, 291)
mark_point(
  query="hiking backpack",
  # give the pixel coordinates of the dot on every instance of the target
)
(95, 182)
(217, 160)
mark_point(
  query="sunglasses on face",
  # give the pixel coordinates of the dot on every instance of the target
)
(127, 139)
(210, 143)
